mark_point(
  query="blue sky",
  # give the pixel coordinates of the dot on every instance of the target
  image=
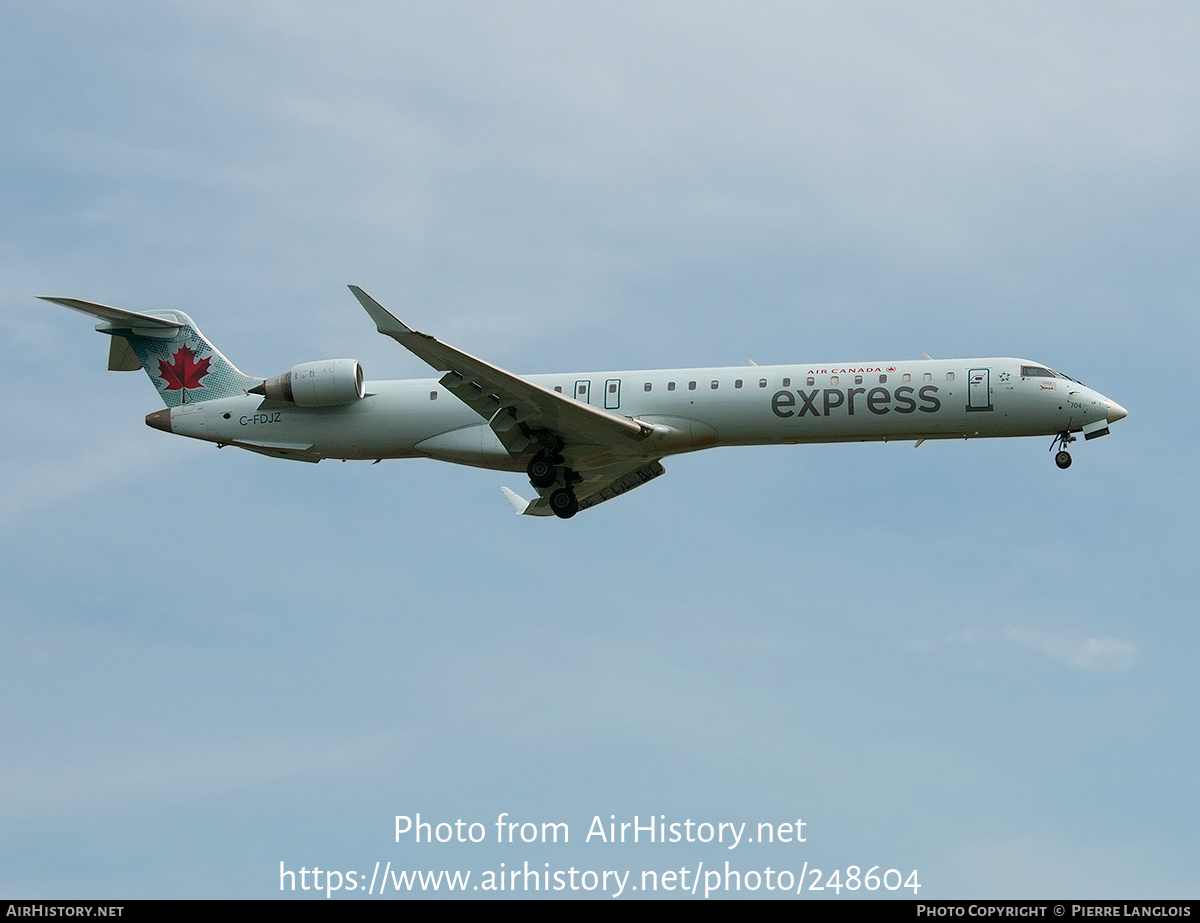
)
(958, 659)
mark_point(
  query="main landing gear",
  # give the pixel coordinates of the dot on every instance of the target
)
(563, 503)
(545, 470)
(1062, 457)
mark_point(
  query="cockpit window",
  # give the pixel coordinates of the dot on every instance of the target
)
(1036, 371)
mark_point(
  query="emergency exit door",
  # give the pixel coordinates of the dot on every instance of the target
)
(612, 394)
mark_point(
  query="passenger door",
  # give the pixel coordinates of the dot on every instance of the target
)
(979, 391)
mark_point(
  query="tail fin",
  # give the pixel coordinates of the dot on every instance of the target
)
(184, 366)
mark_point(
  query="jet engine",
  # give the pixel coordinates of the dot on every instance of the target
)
(324, 383)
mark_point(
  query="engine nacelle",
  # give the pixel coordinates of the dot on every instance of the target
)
(323, 383)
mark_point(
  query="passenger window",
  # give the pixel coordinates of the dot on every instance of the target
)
(714, 384)
(949, 376)
(787, 382)
(833, 380)
(810, 381)
(583, 389)
(612, 388)
(858, 379)
(928, 376)
(558, 388)
(762, 382)
(906, 378)
(737, 383)
(647, 386)
(670, 386)
(883, 379)
(691, 386)
(433, 395)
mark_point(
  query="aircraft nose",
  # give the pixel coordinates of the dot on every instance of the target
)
(1116, 412)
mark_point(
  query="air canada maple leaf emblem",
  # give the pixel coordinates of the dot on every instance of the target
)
(183, 372)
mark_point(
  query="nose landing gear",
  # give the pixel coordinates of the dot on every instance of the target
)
(1062, 457)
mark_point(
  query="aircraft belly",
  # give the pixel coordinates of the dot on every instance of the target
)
(474, 445)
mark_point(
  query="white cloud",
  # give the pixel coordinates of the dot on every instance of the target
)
(1098, 653)
(1083, 653)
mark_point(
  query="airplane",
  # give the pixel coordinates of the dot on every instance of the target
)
(580, 437)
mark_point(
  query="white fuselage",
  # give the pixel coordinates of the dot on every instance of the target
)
(689, 408)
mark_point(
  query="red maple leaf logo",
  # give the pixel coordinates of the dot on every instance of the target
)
(183, 372)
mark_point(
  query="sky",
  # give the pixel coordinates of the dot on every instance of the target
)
(956, 661)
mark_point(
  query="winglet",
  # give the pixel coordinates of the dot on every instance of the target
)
(519, 503)
(385, 322)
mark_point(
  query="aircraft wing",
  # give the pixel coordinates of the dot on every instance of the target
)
(517, 410)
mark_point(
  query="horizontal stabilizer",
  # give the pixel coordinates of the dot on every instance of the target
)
(183, 365)
(117, 316)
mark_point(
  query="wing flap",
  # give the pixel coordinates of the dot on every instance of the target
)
(599, 484)
(623, 484)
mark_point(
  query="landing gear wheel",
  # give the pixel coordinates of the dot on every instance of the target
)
(541, 471)
(1061, 441)
(563, 503)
